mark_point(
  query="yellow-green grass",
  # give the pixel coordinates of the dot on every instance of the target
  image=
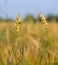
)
(29, 42)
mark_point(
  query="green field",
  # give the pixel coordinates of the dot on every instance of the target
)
(33, 45)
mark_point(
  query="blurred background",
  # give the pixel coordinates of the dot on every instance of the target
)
(33, 43)
(10, 8)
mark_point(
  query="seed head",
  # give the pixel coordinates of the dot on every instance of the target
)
(43, 19)
(18, 22)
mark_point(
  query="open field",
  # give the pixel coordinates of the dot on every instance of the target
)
(33, 45)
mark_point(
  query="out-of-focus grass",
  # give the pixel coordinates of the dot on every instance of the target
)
(30, 43)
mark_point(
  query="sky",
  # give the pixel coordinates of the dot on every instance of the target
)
(10, 8)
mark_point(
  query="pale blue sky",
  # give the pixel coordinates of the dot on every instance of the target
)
(34, 7)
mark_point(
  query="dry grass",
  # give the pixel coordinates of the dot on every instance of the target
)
(30, 46)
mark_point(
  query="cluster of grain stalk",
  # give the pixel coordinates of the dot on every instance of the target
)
(47, 42)
(29, 48)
